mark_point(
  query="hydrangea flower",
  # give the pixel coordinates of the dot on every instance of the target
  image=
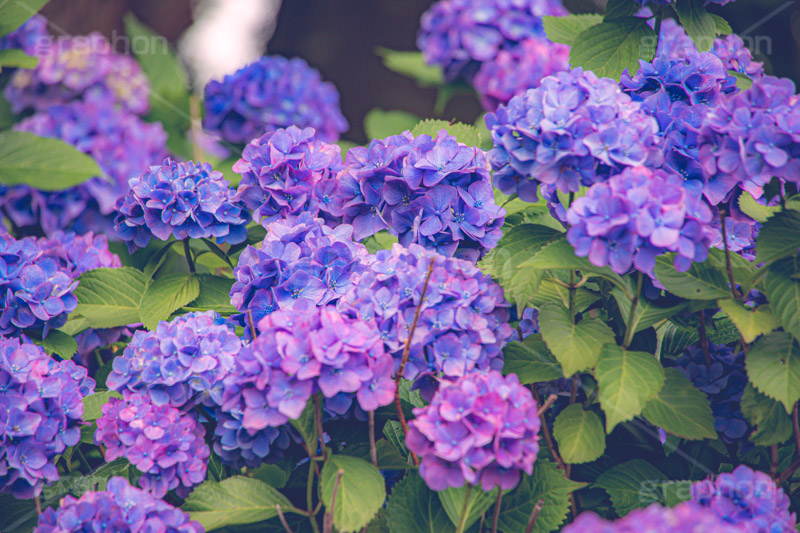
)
(36, 292)
(121, 143)
(683, 518)
(181, 363)
(518, 69)
(41, 410)
(71, 68)
(301, 351)
(634, 217)
(528, 324)
(435, 192)
(287, 172)
(575, 129)
(300, 259)
(271, 93)
(120, 507)
(667, 2)
(480, 428)
(185, 200)
(162, 442)
(463, 323)
(748, 498)
(459, 35)
(27, 37)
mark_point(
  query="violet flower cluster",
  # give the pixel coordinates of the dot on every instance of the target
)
(435, 192)
(27, 37)
(121, 143)
(459, 35)
(528, 324)
(683, 518)
(637, 215)
(271, 93)
(481, 428)
(80, 67)
(518, 69)
(748, 498)
(300, 352)
(463, 323)
(164, 443)
(575, 129)
(185, 200)
(181, 363)
(36, 291)
(120, 507)
(300, 259)
(287, 172)
(41, 410)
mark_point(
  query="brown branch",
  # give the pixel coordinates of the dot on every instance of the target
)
(784, 477)
(283, 518)
(701, 330)
(496, 517)
(774, 461)
(327, 520)
(550, 401)
(534, 515)
(796, 428)
(373, 450)
(546, 433)
(318, 417)
(407, 347)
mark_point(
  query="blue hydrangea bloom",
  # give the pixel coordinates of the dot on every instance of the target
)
(528, 324)
(181, 363)
(459, 35)
(27, 37)
(41, 410)
(118, 508)
(185, 200)
(683, 518)
(287, 172)
(271, 93)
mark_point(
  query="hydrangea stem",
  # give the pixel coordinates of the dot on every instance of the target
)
(373, 450)
(496, 516)
(462, 519)
(701, 330)
(657, 28)
(534, 515)
(728, 265)
(310, 495)
(327, 520)
(629, 329)
(188, 251)
(320, 431)
(282, 518)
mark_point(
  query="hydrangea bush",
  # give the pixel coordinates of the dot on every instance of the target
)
(577, 312)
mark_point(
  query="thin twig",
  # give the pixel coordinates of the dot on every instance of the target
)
(283, 518)
(318, 417)
(496, 517)
(403, 424)
(407, 347)
(796, 428)
(37, 504)
(573, 395)
(252, 324)
(728, 264)
(534, 515)
(784, 477)
(546, 432)
(188, 252)
(701, 330)
(373, 450)
(550, 400)
(327, 520)
(774, 461)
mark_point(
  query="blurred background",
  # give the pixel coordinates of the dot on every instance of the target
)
(339, 37)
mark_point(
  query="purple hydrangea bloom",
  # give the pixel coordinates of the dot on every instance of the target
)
(36, 291)
(271, 93)
(575, 129)
(120, 507)
(185, 200)
(748, 498)
(41, 410)
(481, 428)
(301, 351)
(459, 35)
(71, 68)
(637, 215)
(181, 363)
(683, 518)
(528, 324)
(164, 443)
(518, 69)
(435, 192)
(300, 259)
(121, 143)
(287, 172)
(463, 323)
(27, 37)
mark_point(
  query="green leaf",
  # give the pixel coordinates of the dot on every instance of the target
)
(411, 65)
(631, 484)
(383, 240)
(166, 295)
(770, 420)
(646, 313)
(379, 123)
(547, 483)
(579, 435)
(360, 494)
(531, 361)
(214, 295)
(681, 409)
(677, 338)
(110, 297)
(609, 48)
(414, 508)
(393, 432)
(779, 237)
(452, 500)
(697, 22)
(550, 291)
(743, 81)
(44, 164)
(575, 346)
(700, 282)
(745, 272)
(565, 30)
(627, 381)
(773, 366)
(306, 424)
(721, 25)
(15, 58)
(464, 133)
(783, 294)
(272, 474)
(750, 323)
(235, 500)
(755, 210)
(60, 343)
(621, 9)
(93, 404)
(14, 13)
